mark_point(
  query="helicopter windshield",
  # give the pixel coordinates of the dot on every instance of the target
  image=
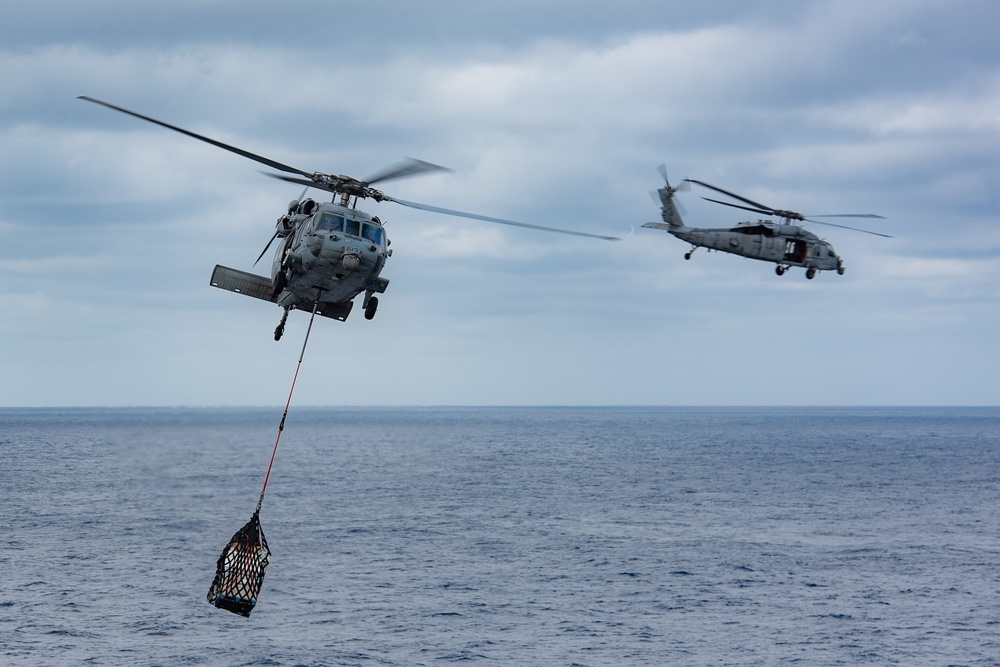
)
(373, 233)
(330, 222)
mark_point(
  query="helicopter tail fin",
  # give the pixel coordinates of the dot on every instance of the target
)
(672, 219)
(669, 210)
(671, 214)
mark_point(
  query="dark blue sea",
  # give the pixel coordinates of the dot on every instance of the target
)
(505, 536)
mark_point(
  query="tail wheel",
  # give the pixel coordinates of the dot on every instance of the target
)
(811, 273)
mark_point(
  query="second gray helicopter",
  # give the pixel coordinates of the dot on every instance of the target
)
(783, 243)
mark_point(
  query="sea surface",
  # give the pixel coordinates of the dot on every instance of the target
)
(505, 536)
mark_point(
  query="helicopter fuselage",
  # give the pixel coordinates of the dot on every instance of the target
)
(783, 244)
(330, 254)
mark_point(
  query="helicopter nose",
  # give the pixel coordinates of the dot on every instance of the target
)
(348, 250)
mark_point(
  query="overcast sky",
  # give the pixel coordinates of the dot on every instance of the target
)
(553, 113)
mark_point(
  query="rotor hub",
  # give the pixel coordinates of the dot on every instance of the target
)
(345, 185)
(789, 215)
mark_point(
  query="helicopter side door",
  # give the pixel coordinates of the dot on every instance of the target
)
(772, 248)
(795, 251)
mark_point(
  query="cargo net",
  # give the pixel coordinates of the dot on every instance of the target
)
(240, 570)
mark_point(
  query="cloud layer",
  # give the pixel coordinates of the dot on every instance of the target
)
(553, 114)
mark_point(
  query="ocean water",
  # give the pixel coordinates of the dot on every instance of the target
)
(505, 536)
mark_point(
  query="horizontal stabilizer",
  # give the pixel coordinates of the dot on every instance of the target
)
(335, 311)
(260, 287)
(242, 282)
(657, 225)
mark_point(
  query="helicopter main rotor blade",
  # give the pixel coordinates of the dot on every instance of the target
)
(745, 208)
(319, 185)
(475, 216)
(848, 215)
(731, 194)
(789, 215)
(232, 149)
(853, 229)
(655, 196)
(266, 247)
(810, 219)
(408, 167)
(290, 208)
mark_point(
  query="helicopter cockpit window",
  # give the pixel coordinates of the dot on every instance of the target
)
(330, 222)
(373, 233)
(353, 228)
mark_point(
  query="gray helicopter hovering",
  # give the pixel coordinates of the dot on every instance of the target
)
(329, 251)
(782, 243)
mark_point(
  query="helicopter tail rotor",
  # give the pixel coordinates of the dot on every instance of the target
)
(684, 185)
(664, 197)
(663, 172)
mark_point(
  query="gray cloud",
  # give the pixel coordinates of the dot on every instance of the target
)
(556, 114)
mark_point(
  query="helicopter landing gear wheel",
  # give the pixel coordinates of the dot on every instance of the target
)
(371, 307)
(811, 273)
(280, 329)
(687, 255)
(840, 270)
(780, 270)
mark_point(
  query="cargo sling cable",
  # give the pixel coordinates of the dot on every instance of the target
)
(239, 572)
